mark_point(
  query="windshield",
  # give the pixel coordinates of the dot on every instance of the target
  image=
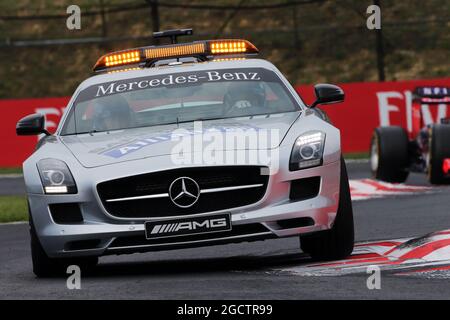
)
(179, 97)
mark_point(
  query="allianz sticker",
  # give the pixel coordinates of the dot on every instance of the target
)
(146, 141)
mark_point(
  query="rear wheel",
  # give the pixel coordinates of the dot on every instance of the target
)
(44, 266)
(336, 243)
(439, 144)
(389, 159)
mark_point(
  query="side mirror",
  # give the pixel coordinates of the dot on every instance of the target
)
(33, 124)
(327, 94)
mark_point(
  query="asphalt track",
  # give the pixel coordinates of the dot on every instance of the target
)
(11, 185)
(274, 269)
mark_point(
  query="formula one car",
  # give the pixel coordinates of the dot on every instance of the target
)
(129, 168)
(424, 148)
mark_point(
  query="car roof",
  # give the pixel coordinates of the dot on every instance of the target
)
(184, 67)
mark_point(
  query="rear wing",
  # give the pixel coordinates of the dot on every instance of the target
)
(432, 95)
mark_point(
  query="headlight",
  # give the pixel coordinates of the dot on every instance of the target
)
(307, 151)
(56, 177)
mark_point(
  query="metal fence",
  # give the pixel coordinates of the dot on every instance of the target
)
(309, 40)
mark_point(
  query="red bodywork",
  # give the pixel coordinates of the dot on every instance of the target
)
(432, 105)
(446, 166)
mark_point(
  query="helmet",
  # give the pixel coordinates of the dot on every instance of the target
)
(111, 113)
(242, 95)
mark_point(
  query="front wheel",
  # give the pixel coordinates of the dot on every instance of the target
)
(338, 242)
(389, 158)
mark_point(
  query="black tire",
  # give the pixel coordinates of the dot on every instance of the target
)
(338, 242)
(389, 158)
(439, 144)
(45, 267)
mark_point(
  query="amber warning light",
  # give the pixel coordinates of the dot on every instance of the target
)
(202, 50)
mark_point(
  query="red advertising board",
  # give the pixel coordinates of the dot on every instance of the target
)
(371, 104)
(16, 149)
(367, 105)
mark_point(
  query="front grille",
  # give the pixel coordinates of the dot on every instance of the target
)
(243, 185)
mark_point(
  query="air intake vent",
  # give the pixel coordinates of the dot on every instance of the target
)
(82, 245)
(295, 223)
(303, 189)
(66, 213)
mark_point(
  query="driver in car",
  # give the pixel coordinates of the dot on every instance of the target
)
(241, 96)
(111, 113)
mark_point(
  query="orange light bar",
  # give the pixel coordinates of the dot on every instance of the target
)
(232, 47)
(227, 59)
(124, 70)
(117, 59)
(175, 50)
(122, 58)
(204, 50)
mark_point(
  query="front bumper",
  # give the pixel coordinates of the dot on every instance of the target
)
(101, 234)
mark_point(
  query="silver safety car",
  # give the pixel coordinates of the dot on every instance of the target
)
(185, 145)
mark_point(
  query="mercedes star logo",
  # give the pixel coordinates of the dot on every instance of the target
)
(184, 192)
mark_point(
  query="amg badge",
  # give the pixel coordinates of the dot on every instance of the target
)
(187, 226)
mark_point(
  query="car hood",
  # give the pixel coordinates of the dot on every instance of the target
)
(102, 148)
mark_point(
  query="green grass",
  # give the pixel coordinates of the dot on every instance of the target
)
(11, 170)
(356, 155)
(13, 208)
